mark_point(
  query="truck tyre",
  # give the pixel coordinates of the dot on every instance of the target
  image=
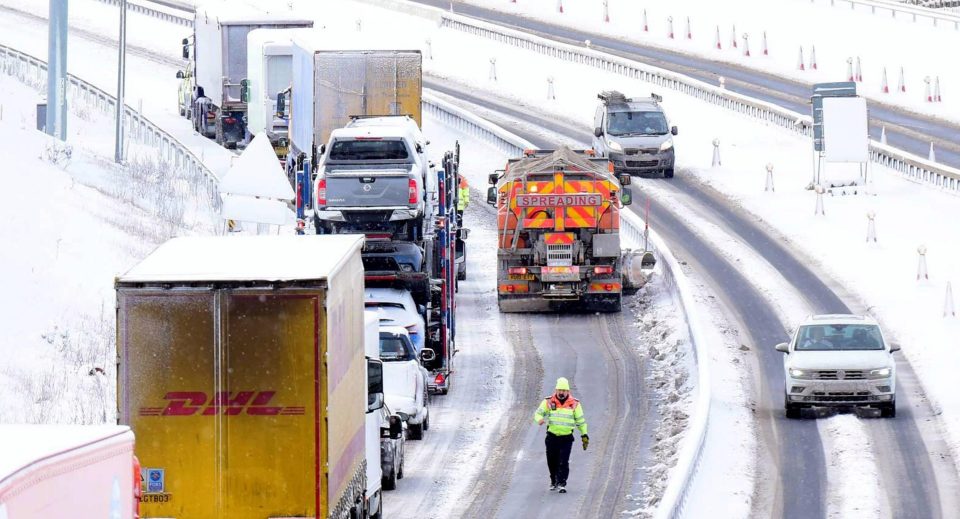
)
(888, 410)
(390, 482)
(668, 173)
(379, 513)
(400, 470)
(416, 431)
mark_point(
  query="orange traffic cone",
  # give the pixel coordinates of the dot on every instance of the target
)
(800, 64)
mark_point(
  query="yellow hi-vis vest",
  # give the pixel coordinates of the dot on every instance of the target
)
(561, 417)
(463, 198)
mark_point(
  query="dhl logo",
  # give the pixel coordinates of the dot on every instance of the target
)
(191, 403)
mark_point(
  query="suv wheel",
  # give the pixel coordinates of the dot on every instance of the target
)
(668, 173)
(792, 410)
(888, 410)
(416, 431)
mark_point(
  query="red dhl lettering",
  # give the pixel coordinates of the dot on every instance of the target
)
(195, 403)
(567, 200)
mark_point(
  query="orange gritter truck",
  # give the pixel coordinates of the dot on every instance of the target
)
(241, 372)
(558, 225)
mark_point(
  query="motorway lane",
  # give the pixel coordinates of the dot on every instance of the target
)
(905, 130)
(919, 476)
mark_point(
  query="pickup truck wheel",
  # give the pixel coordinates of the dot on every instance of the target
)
(416, 431)
(793, 411)
(888, 410)
(390, 482)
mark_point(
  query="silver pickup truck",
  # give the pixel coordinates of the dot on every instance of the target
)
(374, 175)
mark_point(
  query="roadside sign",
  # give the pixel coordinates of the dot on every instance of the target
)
(821, 90)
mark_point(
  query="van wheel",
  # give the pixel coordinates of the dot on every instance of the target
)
(888, 410)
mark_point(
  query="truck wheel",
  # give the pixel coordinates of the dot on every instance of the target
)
(416, 431)
(390, 482)
(888, 410)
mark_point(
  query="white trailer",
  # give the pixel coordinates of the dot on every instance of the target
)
(220, 65)
(68, 471)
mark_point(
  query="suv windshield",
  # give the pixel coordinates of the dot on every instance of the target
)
(621, 124)
(841, 337)
(396, 348)
(368, 150)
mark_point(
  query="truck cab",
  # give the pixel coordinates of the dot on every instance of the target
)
(374, 175)
(634, 134)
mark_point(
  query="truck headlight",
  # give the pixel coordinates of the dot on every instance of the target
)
(614, 146)
(880, 372)
(800, 373)
(666, 145)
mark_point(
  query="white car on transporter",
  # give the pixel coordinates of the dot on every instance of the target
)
(839, 361)
(397, 308)
(405, 379)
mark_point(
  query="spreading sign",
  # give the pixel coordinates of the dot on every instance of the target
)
(567, 200)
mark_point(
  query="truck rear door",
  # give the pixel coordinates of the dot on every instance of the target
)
(221, 388)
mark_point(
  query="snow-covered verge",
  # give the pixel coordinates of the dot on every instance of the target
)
(72, 221)
(879, 40)
(852, 467)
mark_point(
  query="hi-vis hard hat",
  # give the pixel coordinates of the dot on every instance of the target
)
(563, 383)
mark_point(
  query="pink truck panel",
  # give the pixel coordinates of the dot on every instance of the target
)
(66, 471)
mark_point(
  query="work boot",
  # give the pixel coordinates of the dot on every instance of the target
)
(562, 488)
(553, 486)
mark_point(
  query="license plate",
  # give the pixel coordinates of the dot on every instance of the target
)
(521, 277)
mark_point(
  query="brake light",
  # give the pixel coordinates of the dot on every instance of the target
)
(608, 287)
(369, 138)
(412, 191)
(322, 192)
(440, 379)
(511, 288)
(603, 269)
(230, 120)
(517, 270)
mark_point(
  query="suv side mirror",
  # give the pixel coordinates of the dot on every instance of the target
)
(626, 196)
(894, 347)
(673, 130)
(179, 74)
(492, 195)
(323, 149)
(427, 355)
(374, 384)
(598, 132)
(783, 347)
(625, 180)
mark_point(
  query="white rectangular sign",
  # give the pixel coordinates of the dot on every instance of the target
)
(845, 137)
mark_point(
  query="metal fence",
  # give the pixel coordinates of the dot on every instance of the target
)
(33, 71)
(157, 13)
(900, 11)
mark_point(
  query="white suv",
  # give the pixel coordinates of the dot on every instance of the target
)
(839, 361)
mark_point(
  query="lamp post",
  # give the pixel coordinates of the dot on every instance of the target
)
(57, 70)
(121, 80)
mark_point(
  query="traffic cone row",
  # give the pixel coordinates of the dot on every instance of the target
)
(813, 60)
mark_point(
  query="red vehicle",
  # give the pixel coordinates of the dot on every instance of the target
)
(558, 219)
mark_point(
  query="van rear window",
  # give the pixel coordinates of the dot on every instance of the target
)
(368, 150)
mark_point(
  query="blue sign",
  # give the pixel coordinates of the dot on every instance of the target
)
(153, 481)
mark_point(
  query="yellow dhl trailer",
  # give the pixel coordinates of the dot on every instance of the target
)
(241, 372)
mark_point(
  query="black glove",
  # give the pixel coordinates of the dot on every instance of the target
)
(586, 440)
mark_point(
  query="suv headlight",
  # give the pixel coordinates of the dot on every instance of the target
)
(800, 373)
(666, 145)
(880, 372)
(406, 267)
(614, 146)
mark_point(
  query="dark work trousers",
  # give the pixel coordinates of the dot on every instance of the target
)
(558, 457)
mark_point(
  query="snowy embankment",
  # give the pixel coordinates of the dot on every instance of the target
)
(72, 221)
(836, 32)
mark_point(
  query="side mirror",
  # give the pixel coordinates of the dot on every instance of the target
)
(894, 347)
(245, 90)
(626, 180)
(396, 427)
(323, 149)
(783, 347)
(598, 132)
(626, 196)
(427, 355)
(281, 104)
(673, 130)
(374, 384)
(462, 234)
(493, 178)
(186, 48)
(492, 195)
(179, 74)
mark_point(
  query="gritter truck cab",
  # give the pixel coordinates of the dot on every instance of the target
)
(558, 227)
(241, 370)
